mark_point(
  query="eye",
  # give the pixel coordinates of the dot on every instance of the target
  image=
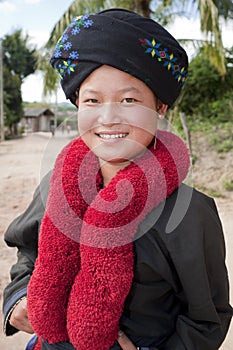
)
(91, 101)
(129, 100)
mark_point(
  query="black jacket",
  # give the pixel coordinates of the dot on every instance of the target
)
(179, 297)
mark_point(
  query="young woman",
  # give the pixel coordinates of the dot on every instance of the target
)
(125, 248)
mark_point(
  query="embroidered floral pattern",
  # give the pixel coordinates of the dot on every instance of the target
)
(65, 44)
(66, 67)
(168, 59)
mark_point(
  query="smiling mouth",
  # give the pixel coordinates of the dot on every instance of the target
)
(112, 136)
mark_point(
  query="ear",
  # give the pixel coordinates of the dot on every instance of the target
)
(162, 109)
(77, 98)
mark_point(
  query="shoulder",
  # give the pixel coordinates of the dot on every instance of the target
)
(187, 217)
(190, 224)
(187, 207)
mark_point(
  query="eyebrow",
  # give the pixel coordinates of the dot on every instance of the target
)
(123, 90)
(90, 91)
(130, 89)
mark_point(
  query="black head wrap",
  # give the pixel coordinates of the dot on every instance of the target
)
(124, 40)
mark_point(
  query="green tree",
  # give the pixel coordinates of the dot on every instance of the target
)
(12, 100)
(18, 56)
(206, 94)
(19, 61)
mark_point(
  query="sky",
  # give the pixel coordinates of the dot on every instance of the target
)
(38, 17)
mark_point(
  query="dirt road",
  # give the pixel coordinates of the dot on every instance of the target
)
(23, 162)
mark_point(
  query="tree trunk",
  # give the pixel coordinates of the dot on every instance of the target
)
(186, 131)
(142, 7)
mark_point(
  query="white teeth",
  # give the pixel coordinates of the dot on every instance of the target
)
(112, 136)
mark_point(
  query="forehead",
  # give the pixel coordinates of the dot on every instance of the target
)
(107, 77)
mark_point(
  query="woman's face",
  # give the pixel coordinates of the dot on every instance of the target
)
(117, 114)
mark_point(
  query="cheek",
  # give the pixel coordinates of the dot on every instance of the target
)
(142, 137)
(85, 123)
(145, 120)
(87, 140)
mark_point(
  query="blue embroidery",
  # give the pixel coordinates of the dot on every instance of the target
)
(74, 55)
(75, 31)
(65, 44)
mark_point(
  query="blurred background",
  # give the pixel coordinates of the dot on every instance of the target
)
(36, 121)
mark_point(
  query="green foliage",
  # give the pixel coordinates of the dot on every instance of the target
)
(18, 62)
(222, 109)
(77, 8)
(219, 134)
(22, 130)
(228, 185)
(225, 8)
(221, 137)
(18, 57)
(12, 98)
(51, 78)
(209, 191)
(225, 146)
(80, 7)
(141, 7)
(206, 94)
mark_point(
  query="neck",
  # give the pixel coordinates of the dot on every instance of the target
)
(109, 170)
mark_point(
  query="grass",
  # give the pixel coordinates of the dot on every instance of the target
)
(209, 191)
(228, 185)
(219, 134)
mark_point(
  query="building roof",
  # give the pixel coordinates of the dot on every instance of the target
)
(35, 112)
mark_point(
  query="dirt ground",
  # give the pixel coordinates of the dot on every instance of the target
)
(23, 163)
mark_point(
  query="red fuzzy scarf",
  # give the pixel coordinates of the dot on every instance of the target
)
(84, 269)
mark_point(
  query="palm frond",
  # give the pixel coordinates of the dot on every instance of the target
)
(210, 26)
(77, 7)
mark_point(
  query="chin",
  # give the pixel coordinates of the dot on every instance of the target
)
(113, 156)
(114, 160)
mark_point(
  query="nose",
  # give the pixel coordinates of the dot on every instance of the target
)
(109, 114)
